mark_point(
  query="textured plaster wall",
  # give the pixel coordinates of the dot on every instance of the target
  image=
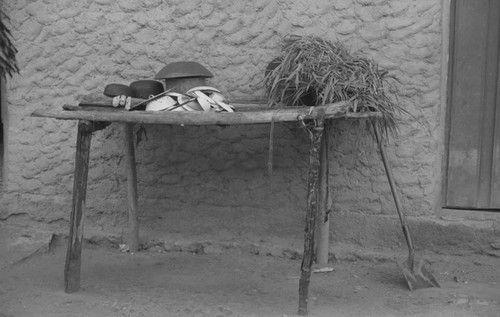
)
(187, 174)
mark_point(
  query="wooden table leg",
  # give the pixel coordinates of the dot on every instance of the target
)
(311, 215)
(133, 236)
(323, 221)
(73, 254)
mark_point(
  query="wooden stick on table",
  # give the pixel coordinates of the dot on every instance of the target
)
(311, 213)
(133, 238)
(74, 252)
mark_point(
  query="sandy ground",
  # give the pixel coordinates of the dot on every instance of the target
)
(235, 282)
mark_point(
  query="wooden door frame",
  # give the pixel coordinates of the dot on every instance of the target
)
(447, 26)
(444, 118)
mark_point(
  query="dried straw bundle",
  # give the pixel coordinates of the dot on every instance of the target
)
(312, 71)
(8, 64)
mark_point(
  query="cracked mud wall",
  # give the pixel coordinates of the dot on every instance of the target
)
(212, 179)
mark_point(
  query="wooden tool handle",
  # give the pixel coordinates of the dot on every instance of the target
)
(99, 100)
(395, 194)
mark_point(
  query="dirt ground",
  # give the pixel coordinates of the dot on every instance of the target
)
(235, 282)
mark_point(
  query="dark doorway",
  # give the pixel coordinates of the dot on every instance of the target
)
(473, 138)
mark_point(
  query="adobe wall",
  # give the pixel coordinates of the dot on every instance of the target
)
(212, 179)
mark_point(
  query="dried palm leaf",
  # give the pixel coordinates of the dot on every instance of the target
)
(8, 64)
(311, 71)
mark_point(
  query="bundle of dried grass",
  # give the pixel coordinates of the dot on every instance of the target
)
(8, 64)
(312, 71)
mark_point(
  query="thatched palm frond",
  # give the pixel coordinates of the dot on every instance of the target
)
(8, 63)
(312, 71)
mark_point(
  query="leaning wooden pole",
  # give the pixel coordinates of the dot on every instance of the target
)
(77, 217)
(311, 214)
(133, 226)
(323, 221)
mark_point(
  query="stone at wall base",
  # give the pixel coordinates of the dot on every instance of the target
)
(444, 236)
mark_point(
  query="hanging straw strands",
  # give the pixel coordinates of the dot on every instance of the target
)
(8, 64)
(312, 71)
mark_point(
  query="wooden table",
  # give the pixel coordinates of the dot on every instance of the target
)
(96, 115)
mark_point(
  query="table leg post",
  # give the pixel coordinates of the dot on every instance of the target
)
(133, 236)
(73, 254)
(311, 215)
(323, 221)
